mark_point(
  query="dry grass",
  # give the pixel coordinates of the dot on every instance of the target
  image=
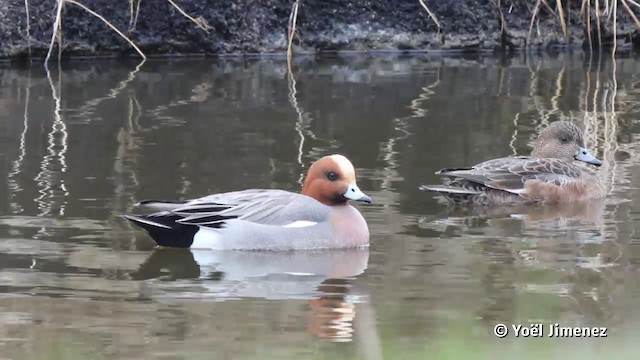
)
(134, 8)
(603, 12)
(590, 12)
(58, 30)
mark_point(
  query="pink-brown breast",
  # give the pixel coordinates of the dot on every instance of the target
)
(579, 190)
(349, 226)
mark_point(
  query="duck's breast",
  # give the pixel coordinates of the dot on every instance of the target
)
(349, 226)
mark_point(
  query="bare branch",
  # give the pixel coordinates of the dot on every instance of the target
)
(198, 21)
(431, 14)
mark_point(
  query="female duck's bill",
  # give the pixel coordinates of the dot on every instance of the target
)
(317, 217)
(585, 156)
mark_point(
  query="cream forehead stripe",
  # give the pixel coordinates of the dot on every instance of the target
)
(343, 163)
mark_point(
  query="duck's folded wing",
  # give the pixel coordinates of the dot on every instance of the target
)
(510, 174)
(270, 207)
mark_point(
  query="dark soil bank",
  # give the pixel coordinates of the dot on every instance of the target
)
(250, 26)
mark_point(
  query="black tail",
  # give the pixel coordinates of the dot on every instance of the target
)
(164, 230)
(146, 202)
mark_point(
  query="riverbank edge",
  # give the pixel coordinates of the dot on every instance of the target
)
(159, 29)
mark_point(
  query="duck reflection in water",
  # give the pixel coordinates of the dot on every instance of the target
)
(588, 211)
(322, 278)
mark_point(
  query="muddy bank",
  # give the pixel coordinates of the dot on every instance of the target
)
(247, 26)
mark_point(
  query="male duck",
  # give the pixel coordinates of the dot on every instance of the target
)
(549, 175)
(263, 219)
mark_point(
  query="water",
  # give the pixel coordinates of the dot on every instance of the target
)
(85, 143)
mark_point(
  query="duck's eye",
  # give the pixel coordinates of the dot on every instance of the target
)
(564, 140)
(332, 176)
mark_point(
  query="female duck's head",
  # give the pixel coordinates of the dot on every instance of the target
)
(563, 140)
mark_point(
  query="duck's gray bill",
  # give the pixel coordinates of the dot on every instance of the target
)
(354, 193)
(584, 155)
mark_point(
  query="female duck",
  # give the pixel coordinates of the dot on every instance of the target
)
(549, 175)
(318, 217)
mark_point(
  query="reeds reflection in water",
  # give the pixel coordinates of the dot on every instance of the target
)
(111, 135)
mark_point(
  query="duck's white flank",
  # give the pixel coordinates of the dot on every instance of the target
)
(207, 238)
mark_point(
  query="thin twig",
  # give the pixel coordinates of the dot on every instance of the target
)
(199, 21)
(109, 25)
(431, 14)
(589, 26)
(502, 21)
(615, 25)
(56, 26)
(633, 16)
(546, 4)
(293, 18)
(131, 14)
(634, 3)
(26, 9)
(533, 19)
(135, 18)
(59, 32)
(562, 20)
(598, 24)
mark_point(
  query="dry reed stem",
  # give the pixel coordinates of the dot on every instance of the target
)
(609, 8)
(598, 24)
(135, 20)
(634, 3)
(293, 18)
(589, 25)
(58, 32)
(609, 12)
(56, 26)
(562, 21)
(109, 25)
(59, 37)
(615, 24)
(546, 5)
(133, 14)
(502, 21)
(26, 9)
(198, 21)
(431, 14)
(633, 16)
(536, 9)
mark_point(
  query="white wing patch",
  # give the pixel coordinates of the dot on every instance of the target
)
(515, 191)
(300, 224)
(300, 273)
